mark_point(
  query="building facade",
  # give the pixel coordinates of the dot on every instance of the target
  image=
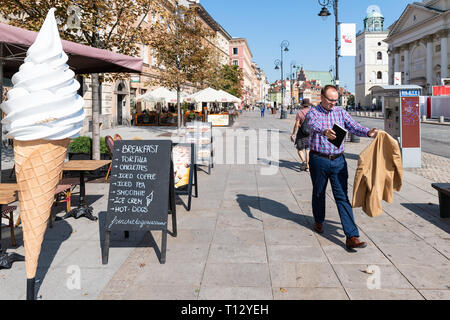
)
(240, 55)
(371, 61)
(418, 44)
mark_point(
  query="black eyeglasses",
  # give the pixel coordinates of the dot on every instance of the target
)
(331, 100)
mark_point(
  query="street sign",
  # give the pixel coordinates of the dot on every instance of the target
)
(409, 93)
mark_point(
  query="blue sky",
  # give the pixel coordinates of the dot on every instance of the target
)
(266, 23)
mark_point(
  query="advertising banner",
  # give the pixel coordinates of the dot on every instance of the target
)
(348, 39)
(287, 93)
(410, 125)
(397, 78)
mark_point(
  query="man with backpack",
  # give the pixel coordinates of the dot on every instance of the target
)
(302, 137)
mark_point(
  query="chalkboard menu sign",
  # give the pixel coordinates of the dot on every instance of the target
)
(141, 191)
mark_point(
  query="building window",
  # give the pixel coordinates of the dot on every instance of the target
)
(379, 56)
(235, 62)
(438, 48)
(379, 75)
(235, 50)
(360, 76)
(403, 58)
(359, 57)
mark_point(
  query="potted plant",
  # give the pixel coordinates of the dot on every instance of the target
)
(80, 148)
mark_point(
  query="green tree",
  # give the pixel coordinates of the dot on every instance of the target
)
(182, 49)
(229, 79)
(115, 25)
(351, 100)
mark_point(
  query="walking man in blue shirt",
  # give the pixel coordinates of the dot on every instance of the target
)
(327, 162)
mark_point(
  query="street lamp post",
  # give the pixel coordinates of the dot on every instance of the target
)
(292, 75)
(324, 13)
(284, 47)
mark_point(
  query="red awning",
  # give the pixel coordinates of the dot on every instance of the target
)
(82, 58)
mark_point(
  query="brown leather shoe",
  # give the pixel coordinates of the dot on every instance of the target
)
(353, 243)
(318, 227)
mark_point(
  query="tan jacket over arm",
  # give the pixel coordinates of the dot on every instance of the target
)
(379, 173)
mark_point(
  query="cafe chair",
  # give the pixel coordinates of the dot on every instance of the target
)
(63, 193)
(8, 213)
(109, 145)
(117, 137)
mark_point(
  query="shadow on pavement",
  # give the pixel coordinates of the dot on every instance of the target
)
(352, 156)
(295, 166)
(279, 210)
(136, 239)
(429, 212)
(53, 239)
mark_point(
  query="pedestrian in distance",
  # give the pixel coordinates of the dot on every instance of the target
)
(327, 162)
(300, 139)
(263, 109)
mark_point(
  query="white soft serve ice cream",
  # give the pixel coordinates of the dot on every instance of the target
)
(44, 104)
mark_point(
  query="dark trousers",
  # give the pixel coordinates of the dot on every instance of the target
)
(322, 170)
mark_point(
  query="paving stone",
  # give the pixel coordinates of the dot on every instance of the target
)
(427, 277)
(368, 255)
(245, 253)
(292, 253)
(171, 274)
(235, 293)
(238, 236)
(236, 275)
(419, 255)
(303, 237)
(384, 294)
(436, 294)
(356, 276)
(309, 294)
(151, 292)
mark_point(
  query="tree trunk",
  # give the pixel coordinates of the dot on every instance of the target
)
(179, 110)
(95, 116)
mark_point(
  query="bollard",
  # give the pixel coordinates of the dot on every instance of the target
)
(441, 119)
(424, 118)
(354, 138)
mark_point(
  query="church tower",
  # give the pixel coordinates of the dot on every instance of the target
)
(371, 61)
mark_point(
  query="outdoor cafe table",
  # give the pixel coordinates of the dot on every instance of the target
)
(81, 166)
(8, 194)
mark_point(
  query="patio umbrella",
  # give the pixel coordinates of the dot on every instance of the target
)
(230, 97)
(206, 95)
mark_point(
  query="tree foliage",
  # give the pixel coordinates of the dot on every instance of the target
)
(181, 47)
(116, 25)
(106, 24)
(229, 79)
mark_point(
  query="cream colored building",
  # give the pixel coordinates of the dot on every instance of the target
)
(371, 61)
(418, 44)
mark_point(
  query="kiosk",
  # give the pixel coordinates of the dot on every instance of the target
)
(402, 119)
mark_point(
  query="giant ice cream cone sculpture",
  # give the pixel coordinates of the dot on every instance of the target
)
(43, 111)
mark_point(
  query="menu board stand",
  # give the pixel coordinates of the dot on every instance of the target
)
(180, 160)
(142, 192)
(200, 133)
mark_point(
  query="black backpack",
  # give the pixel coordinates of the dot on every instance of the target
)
(304, 130)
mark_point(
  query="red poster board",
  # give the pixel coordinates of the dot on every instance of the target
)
(410, 122)
(441, 90)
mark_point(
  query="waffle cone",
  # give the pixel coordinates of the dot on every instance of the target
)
(38, 167)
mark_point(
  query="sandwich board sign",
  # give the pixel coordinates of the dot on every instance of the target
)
(141, 190)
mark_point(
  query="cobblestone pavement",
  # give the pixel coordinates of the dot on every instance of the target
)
(434, 167)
